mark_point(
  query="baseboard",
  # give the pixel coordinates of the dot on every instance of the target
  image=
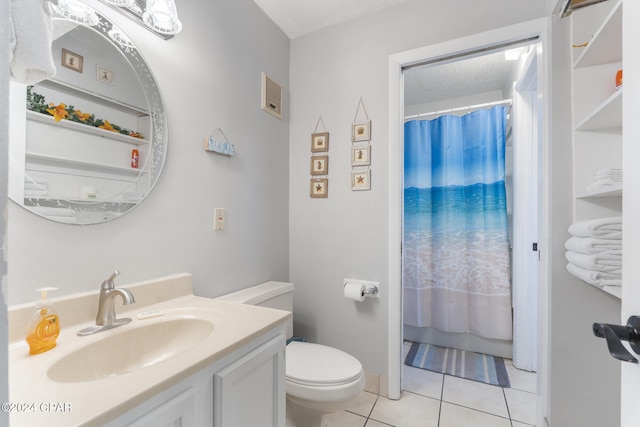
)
(376, 384)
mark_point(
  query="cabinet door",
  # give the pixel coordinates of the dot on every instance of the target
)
(179, 411)
(251, 390)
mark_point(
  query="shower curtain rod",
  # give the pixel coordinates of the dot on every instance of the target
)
(454, 110)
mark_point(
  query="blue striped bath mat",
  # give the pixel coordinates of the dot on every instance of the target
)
(459, 363)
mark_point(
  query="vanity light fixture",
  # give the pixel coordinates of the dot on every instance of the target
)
(121, 3)
(77, 11)
(158, 16)
(162, 16)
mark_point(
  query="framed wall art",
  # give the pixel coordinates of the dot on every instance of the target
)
(319, 165)
(361, 131)
(361, 180)
(319, 142)
(72, 60)
(319, 188)
(361, 156)
(104, 74)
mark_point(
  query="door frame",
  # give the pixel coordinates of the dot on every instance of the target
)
(397, 62)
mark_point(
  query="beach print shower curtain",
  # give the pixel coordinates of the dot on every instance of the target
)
(456, 247)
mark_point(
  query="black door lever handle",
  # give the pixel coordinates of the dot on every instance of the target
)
(615, 334)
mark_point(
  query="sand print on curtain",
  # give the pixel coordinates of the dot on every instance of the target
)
(456, 246)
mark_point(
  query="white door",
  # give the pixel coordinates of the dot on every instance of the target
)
(630, 381)
(525, 215)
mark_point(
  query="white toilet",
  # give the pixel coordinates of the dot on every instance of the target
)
(319, 379)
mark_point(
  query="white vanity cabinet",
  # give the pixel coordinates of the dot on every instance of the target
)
(244, 388)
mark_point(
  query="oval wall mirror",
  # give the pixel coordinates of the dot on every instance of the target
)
(95, 138)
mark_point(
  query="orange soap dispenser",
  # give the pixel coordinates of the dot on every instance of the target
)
(44, 326)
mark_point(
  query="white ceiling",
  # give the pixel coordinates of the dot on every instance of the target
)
(298, 17)
(486, 73)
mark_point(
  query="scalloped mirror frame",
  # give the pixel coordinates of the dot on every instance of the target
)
(88, 212)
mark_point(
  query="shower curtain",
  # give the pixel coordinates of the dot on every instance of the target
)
(456, 248)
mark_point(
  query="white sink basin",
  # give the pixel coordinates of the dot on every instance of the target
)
(128, 349)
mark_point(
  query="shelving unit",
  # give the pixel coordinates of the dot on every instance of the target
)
(70, 155)
(79, 127)
(93, 96)
(77, 163)
(607, 115)
(597, 111)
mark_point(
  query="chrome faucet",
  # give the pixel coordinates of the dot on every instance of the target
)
(106, 318)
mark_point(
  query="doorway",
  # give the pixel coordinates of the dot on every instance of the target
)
(458, 211)
(531, 34)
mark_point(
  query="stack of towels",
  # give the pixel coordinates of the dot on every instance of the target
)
(35, 188)
(594, 251)
(606, 178)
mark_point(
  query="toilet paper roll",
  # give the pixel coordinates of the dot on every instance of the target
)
(354, 291)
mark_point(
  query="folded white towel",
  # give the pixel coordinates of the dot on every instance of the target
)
(600, 185)
(609, 172)
(31, 58)
(595, 278)
(610, 262)
(609, 228)
(591, 245)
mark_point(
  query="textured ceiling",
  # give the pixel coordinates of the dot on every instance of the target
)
(482, 74)
(423, 85)
(297, 17)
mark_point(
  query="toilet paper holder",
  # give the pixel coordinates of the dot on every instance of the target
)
(371, 289)
(615, 334)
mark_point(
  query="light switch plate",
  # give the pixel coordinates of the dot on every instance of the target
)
(219, 219)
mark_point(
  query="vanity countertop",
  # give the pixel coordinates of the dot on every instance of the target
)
(38, 400)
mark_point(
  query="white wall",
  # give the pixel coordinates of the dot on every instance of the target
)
(210, 77)
(346, 235)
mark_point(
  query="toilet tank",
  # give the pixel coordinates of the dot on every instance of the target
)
(277, 295)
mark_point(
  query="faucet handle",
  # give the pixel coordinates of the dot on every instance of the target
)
(108, 284)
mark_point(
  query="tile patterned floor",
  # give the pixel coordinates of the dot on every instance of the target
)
(430, 399)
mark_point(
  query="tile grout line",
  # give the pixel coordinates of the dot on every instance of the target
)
(506, 402)
(441, 397)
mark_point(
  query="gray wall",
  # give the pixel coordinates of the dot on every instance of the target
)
(210, 77)
(346, 235)
(4, 166)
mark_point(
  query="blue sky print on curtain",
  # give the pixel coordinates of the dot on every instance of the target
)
(456, 246)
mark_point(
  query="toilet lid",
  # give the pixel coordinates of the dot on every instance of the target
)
(316, 364)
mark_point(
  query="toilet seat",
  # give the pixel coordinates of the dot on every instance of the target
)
(317, 365)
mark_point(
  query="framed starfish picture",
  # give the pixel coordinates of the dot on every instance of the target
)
(319, 188)
(361, 180)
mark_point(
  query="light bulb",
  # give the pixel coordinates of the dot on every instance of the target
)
(162, 16)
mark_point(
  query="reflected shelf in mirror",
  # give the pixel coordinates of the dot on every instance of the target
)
(49, 169)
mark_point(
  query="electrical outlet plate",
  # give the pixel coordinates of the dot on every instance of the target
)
(219, 219)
